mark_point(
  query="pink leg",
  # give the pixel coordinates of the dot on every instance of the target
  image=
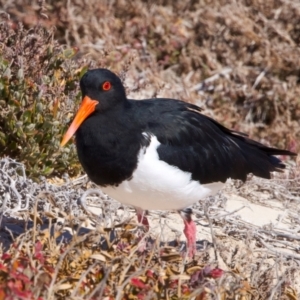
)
(190, 234)
(141, 216)
(189, 231)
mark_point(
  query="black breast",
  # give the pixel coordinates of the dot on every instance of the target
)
(108, 148)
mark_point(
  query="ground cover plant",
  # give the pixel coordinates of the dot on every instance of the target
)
(239, 61)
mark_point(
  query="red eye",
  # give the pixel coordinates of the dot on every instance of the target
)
(106, 86)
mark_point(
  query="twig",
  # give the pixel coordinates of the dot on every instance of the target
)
(276, 288)
(259, 78)
(281, 235)
(101, 287)
(223, 73)
(205, 209)
(275, 251)
(6, 199)
(82, 277)
(82, 199)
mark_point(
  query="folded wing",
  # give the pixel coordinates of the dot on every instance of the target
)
(209, 151)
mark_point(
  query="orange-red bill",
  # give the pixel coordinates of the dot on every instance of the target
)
(86, 108)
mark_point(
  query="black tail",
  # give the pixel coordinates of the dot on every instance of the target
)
(260, 158)
(252, 157)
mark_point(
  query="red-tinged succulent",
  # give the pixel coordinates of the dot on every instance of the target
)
(138, 283)
(38, 252)
(216, 273)
(6, 256)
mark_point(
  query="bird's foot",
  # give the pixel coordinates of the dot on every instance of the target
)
(189, 231)
(141, 216)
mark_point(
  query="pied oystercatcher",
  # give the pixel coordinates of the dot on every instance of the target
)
(159, 154)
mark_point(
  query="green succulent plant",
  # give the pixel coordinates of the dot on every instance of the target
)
(38, 95)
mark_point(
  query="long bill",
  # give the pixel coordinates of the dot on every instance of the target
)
(86, 108)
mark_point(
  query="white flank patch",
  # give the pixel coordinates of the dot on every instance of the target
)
(156, 185)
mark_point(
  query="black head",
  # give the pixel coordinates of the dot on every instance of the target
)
(103, 86)
(101, 90)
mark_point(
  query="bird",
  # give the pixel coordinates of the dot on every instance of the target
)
(161, 153)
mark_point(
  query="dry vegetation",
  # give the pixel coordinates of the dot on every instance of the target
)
(63, 239)
(239, 60)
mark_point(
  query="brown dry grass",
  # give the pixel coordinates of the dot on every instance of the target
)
(240, 60)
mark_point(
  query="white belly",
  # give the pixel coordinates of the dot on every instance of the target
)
(156, 185)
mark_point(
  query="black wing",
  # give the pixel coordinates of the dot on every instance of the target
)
(209, 151)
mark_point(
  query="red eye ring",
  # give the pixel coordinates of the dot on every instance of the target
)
(106, 86)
